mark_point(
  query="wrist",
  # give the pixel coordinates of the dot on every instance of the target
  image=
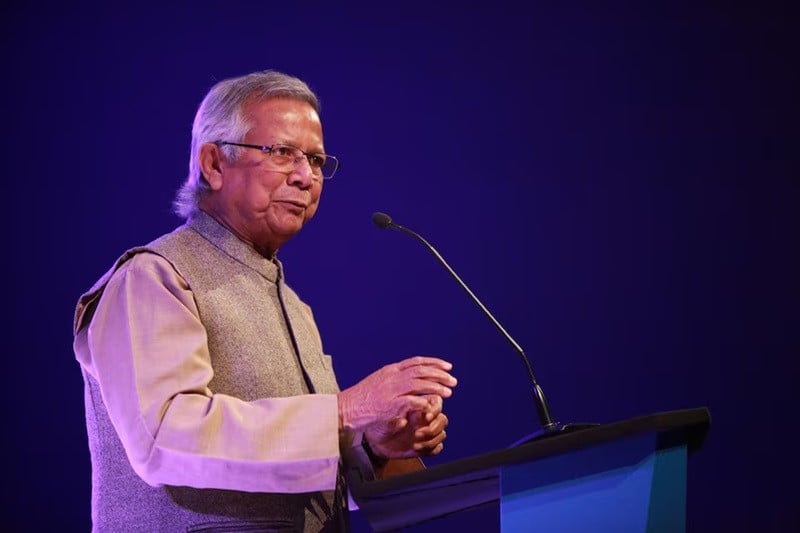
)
(339, 413)
(345, 426)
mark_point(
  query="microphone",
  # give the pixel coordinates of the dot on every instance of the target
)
(384, 221)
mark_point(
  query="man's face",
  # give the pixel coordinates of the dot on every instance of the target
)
(263, 206)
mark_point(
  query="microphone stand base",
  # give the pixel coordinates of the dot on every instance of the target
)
(558, 429)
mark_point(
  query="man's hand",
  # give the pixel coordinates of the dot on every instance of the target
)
(385, 398)
(422, 432)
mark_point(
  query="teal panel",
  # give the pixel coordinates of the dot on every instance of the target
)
(610, 487)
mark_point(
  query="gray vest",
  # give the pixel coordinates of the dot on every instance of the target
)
(256, 327)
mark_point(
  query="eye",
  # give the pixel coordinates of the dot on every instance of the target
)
(281, 150)
(316, 160)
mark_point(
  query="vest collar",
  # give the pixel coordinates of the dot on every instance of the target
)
(231, 245)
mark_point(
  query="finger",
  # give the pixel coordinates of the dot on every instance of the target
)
(400, 382)
(429, 447)
(431, 373)
(436, 451)
(433, 428)
(435, 405)
(398, 423)
(407, 403)
(416, 419)
(430, 443)
(421, 360)
(426, 418)
(435, 402)
(422, 387)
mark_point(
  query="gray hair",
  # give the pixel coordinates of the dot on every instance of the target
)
(220, 117)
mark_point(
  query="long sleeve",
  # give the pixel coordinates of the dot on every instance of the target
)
(146, 347)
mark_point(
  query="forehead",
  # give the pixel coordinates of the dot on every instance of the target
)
(281, 112)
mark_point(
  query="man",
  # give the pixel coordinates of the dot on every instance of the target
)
(210, 404)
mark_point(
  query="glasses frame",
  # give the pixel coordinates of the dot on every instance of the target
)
(307, 155)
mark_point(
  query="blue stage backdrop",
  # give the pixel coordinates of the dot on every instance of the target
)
(618, 185)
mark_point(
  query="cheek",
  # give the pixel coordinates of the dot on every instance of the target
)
(314, 205)
(261, 188)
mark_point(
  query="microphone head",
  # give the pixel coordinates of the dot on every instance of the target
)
(382, 220)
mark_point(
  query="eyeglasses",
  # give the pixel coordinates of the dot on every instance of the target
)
(286, 157)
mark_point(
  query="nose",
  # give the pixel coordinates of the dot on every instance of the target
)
(302, 175)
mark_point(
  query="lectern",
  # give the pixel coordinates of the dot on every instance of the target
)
(624, 476)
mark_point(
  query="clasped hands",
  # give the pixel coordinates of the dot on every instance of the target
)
(399, 407)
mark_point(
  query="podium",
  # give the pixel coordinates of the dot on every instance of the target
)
(622, 476)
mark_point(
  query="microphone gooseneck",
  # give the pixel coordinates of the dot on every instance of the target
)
(384, 221)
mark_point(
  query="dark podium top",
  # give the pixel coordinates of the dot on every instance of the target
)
(466, 483)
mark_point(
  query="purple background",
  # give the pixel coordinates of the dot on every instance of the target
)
(618, 185)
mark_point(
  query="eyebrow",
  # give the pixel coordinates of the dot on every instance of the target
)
(313, 151)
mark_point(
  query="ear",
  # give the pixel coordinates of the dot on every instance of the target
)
(210, 159)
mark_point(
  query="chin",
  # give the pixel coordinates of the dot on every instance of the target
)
(291, 229)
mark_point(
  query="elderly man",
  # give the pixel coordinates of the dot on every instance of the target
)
(210, 404)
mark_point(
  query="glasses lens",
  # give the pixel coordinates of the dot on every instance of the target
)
(329, 166)
(287, 157)
(284, 155)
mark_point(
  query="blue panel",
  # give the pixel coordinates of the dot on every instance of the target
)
(604, 488)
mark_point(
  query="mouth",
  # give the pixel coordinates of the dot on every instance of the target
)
(294, 204)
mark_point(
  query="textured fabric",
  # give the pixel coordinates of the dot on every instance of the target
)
(197, 392)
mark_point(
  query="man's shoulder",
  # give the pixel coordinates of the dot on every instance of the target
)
(176, 236)
(149, 252)
(150, 249)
